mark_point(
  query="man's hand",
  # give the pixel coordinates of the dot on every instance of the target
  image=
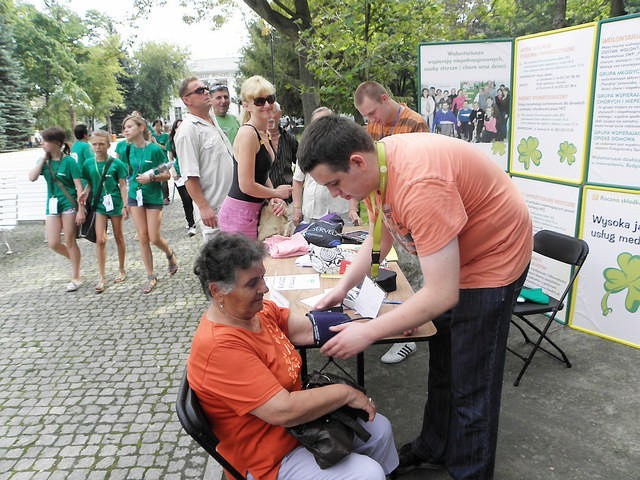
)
(208, 216)
(352, 339)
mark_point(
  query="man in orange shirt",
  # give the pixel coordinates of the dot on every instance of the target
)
(469, 227)
(388, 117)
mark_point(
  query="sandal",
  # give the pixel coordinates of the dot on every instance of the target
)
(173, 265)
(122, 276)
(73, 285)
(152, 281)
(100, 286)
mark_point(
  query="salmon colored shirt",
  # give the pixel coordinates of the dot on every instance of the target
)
(233, 371)
(440, 188)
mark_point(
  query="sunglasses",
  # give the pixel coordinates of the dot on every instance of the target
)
(260, 101)
(199, 91)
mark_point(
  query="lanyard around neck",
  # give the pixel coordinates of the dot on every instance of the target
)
(377, 229)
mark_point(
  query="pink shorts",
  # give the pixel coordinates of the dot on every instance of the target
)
(239, 216)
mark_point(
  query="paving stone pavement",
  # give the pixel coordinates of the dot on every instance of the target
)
(88, 382)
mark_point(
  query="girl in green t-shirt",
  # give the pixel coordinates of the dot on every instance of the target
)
(109, 205)
(145, 195)
(62, 175)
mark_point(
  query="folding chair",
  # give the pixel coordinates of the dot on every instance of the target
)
(195, 423)
(565, 249)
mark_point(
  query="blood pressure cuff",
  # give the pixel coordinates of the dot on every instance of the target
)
(321, 320)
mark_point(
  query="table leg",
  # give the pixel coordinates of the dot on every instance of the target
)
(360, 368)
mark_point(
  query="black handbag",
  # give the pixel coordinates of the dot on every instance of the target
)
(88, 228)
(330, 437)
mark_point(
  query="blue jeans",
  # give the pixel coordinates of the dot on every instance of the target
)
(466, 365)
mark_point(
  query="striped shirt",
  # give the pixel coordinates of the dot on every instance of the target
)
(408, 122)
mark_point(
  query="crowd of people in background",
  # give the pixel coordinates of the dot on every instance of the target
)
(481, 119)
(230, 173)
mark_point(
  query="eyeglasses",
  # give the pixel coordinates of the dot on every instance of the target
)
(199, 91)
(260, 101)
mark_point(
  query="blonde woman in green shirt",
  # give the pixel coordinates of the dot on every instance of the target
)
(145, 195)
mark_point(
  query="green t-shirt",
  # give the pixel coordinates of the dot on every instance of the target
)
(66, 170)
(81, 151)
(140, 160)
(229, 125)
(92, 172)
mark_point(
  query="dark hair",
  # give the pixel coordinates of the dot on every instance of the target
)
(157, 121)
(80, 131)
(56, 134)
(332, 140)
(222, 256)
(172, 134)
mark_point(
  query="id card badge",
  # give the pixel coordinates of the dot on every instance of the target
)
(139, 198)
(107, 201)
(53, 206)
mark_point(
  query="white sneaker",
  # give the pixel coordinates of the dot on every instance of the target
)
(191, 231)
(398, 352)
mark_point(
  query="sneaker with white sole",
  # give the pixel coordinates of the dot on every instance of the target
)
(398, 352)
(191, 231)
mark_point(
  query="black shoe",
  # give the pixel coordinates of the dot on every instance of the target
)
(409, 461)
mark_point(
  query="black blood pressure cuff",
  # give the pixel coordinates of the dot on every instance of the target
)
(321, 320)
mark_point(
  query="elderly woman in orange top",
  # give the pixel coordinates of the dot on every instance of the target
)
(250, 407)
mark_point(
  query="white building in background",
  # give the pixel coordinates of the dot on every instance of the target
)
(213, 71)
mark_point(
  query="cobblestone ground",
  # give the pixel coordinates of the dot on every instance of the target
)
(88, 382)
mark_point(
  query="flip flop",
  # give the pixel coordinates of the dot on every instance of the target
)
(100, 286)
(72, 286)
(122, 276)
(173, 265)
(152, 282)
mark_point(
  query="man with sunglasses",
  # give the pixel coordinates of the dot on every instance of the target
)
(221, 101)
(204, 154)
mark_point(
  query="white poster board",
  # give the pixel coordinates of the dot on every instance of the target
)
(608, 293)
(470, 67)
(554, 207)
(551, 103)
(614, 157)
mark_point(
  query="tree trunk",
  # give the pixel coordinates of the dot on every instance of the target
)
(559, 14)
(617, 8)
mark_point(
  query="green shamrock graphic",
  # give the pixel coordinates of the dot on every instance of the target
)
(498, 148)
(567, 151)
(616, 280)
(528, 152)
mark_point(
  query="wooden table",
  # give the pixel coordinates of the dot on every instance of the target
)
(287, 266)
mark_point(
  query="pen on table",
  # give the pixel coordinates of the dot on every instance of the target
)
(391, 302)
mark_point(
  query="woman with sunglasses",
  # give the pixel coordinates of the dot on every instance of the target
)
(144, 201)
(62, 174)
(253, 156)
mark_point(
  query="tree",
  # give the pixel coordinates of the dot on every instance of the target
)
(16, 121)
(158, 69)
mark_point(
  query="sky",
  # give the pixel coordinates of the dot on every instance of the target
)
(165, 25)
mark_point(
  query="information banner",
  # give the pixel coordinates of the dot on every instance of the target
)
(478, 72)
(614, 158)
(552, 92)
(554, 207)
(608, 293)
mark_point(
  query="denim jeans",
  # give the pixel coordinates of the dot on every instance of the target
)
(466, 366)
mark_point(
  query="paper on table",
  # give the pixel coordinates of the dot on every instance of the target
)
(303, 261)
(369, 299)
(306, 281)
(311, 301)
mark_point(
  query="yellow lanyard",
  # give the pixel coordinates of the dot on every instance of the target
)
(377, 229)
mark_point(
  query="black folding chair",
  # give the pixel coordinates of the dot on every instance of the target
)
(565, 249)
(195, 423)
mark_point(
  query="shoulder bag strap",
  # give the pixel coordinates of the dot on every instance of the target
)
(377, 229)
(62, 187)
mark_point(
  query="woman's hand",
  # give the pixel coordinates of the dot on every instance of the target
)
(144, 178)
(297, 216)
(362, 402)
(283, 191)
(279, 207)
(81, 215)
(125, 212)
(331, 299)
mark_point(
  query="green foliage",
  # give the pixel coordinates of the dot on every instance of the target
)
(16, 121)
(158, 68)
